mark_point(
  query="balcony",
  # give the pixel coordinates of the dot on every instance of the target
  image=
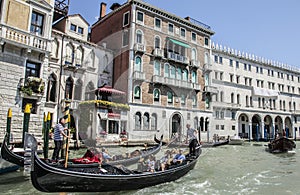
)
(139, 47)
(157, 79)
(137, 75)
(211, 89)
(207, 67)
(24, 39)
(184, 84)
(195, 63)
(177, 58)
(158, 53)
(232, 106)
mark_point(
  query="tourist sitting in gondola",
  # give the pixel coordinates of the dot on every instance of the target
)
(166, 160)
(179, 158)
(105, 155)
(151, 164)
(89, 157)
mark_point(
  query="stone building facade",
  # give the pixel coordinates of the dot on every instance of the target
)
(25, 39)
(256, 98)
(160, 63)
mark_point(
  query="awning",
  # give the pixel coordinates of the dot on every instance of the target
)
(114, 115)
(109, 89)
(180, 43)
(264, 92)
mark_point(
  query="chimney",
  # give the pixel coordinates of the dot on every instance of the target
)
(102, 10)
(114, 6)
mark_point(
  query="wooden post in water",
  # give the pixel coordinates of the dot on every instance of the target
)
(8, 125)
(26, 121)
(67, 140)
(66, 113)
(47, 134)
(44, 133)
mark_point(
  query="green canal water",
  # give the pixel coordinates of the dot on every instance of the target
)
(228, 169)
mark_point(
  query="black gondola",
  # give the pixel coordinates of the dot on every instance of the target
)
(46, 178)
(281, 145)
(12, 157)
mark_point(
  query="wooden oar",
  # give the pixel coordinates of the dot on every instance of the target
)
(67, 149)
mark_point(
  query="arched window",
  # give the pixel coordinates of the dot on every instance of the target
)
(179, 73)
(92, 59)
(138, 64)
(221, 96)
(251, 101)
(89, 91)
(157, 42)
(259, 103)
(247, 101)
(194, 76)
(294, 106)
(206, 58)
(78, 90)
(290, 106)
(139, 36)
(69, 89)
(146, 120)
(156, 68)
(183, 97)
(170, 97)
(194, 54)
(138, 121)
(196, 123)
(232, 98)
(51, 90)
(79, 56)
(55, 46)
(167, 72)
(238, 98)
(69, 58)
(153, 121)
(156, 95)
(185, 75)
(283, 104)
(172, 72)
(280, 105)
(137, 92)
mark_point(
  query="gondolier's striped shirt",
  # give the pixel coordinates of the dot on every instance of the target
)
(59, 128)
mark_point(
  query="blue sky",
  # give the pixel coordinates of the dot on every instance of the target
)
(266, 28)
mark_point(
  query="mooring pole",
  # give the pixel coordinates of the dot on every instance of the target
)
(8, 125)
(26, 121)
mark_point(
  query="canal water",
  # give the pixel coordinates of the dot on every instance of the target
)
(228, 169)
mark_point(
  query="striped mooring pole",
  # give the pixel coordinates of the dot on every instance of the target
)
(8, 125)
(26, 121)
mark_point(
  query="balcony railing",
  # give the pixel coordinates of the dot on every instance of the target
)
(158, 52)
(24, 39)
(158, 79)
(139, 47)
(138, 75)
(178, 58)
(195, 63)
(211, 89)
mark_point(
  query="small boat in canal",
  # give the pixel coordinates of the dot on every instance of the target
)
(281, 145)
(18, 159)
(6, 166)
(108, 178)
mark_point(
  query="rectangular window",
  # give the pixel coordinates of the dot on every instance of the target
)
(32, 69)
(237, 64)
(80, 30)
(230, 62)
(157, 23)
(73, 27)
(37, 22)
(171, 29)
(220, 60)
(216, 59)
(206, 41)
(182, 32)
(249, 67)
(125, 40)
(126, 19)
(194, 37)
(245, 66)
(140, 17)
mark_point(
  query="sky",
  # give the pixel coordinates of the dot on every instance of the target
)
(266, 28)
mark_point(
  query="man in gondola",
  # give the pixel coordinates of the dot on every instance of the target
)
(193, 142)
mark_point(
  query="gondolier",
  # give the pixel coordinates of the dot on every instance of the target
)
(58, 137)
(191, 136)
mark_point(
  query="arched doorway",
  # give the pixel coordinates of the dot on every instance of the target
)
(268, 129)
(278, 126)
(243, 130)
(256, 127)
(288, 127)
(176, 126)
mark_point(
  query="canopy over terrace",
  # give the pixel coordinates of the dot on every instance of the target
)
(110, 94)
